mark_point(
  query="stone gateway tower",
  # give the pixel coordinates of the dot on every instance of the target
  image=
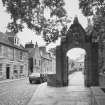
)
(75, 38)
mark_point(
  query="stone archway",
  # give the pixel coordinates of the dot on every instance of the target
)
(75, 66)
(75, 37)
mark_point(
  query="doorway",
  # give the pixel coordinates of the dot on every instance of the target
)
(7, 72)
(75, 64)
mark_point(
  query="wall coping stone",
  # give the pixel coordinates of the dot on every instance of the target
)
(96, 91)
(98, 96)
(101, 74)
(100, 100)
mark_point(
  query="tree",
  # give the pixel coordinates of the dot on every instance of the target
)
(53, 51)
(89, 7)
(31, 13)
(95, 8)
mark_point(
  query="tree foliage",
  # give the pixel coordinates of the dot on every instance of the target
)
(31, 12)
(53, 51)
(91, 7)
(95, 8)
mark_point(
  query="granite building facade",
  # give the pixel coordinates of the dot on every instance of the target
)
(39, 59)
(13, 57)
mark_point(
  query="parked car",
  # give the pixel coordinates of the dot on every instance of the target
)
(34, 78)
(37, 78)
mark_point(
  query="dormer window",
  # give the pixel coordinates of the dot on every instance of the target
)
(13, 38)
(16, 41)
(21, 55)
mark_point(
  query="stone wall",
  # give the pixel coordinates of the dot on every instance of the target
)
(97, 96)
(101, 63)
(51, 80)
(102, 79)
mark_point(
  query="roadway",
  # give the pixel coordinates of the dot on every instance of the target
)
(17, 92)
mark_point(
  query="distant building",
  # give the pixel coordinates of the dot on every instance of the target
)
(75, 65)
(53, 65)
(45, 61)
(79, 65)
(13, 57)
(39, 59)
(34, 57)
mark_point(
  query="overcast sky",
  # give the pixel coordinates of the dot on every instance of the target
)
(72, 8)
(76, 54)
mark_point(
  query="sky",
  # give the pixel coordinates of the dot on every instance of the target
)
(77, 54)
(72, 8)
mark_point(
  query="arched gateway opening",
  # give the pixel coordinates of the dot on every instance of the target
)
(75, 37)
(76, 66)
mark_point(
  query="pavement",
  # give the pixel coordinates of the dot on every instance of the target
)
(74, 94)
(10, 80)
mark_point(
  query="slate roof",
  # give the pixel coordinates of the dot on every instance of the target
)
(4, 40)
(10, 34)
(44, 55)
(31, 52)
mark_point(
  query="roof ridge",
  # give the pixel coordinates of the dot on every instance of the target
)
(4, 40)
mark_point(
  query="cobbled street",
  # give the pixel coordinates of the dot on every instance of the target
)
(18, 92)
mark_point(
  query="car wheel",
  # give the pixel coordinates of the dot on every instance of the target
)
(30, 81)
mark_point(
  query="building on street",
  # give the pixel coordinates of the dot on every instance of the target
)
(39, 59)
(53, 65)
(45, 61)
(34, 57)
(13, 57)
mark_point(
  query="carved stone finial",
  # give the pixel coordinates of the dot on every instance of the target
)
(76, 20)
(36, 45)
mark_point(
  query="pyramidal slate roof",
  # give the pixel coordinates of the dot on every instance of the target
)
(45, 54)
(4, 40)
(10, 34)
(76, 20)
(76, 24)
(31, 52)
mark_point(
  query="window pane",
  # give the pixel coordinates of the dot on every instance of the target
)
(21, 55)
(21, 69)
(17, 54)
(0, 50)
(15, 69)
(0, 67)
(5, 52)
(11, 54)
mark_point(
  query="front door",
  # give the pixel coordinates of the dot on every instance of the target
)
(8, 72)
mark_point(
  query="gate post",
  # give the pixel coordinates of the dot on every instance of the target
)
(94, 59)
(88, 66)
(65, 71)
(91, 67)
(56, 80)
(59, 66)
